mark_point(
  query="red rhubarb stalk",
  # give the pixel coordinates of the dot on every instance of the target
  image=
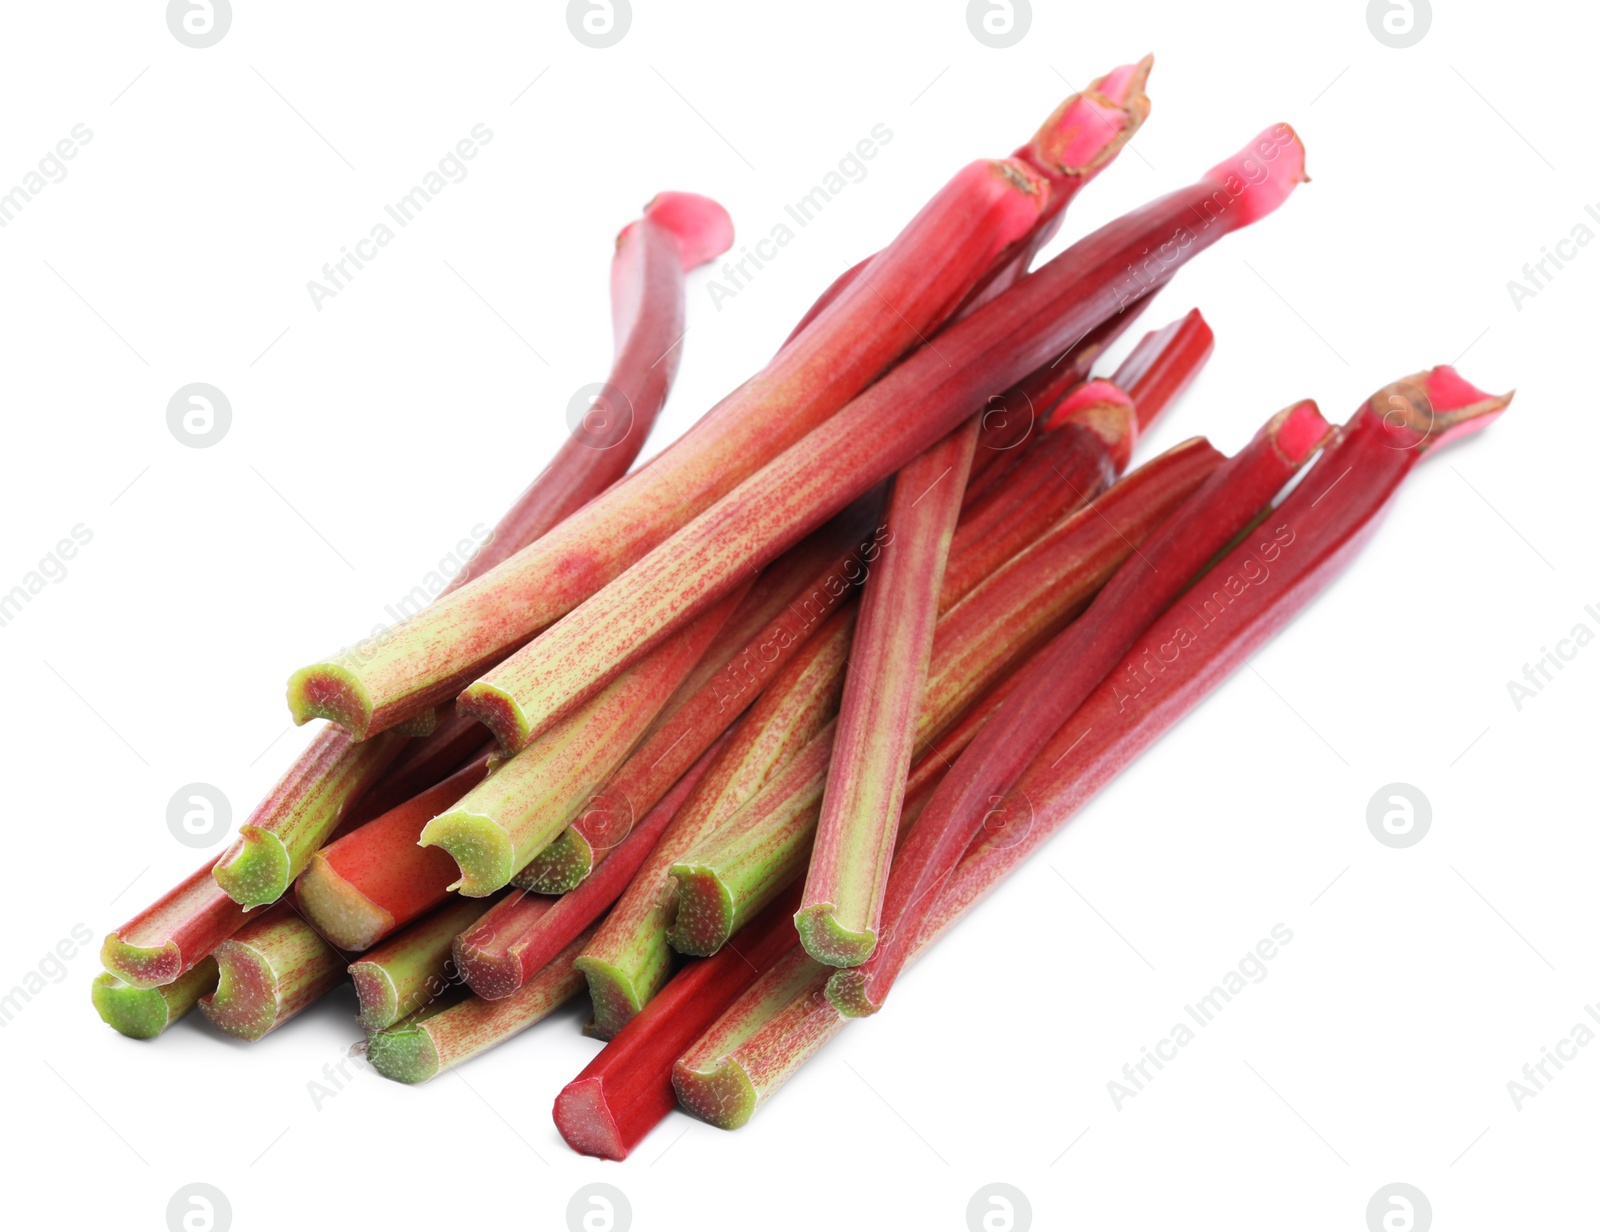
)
(873, 739)
(413, 968)
(439, 1037)
(516, 812)
(144, 1013)
(732, 873)
(1164, 364)
(919, 280)
(1065, 673)
(268, 972)
(376, 879)
(629, 959)
(174, 933)
(627, 1089)
(751, 659)
(522, 932)
(881, 430)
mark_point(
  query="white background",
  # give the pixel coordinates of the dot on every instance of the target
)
(369, 436)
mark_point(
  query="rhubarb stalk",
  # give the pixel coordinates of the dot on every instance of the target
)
(144, 1013)
(414, 967)
(881, 430)
(1065, 673)
(873, 739)
(268, 972)
(435, 1039)
(518, 810)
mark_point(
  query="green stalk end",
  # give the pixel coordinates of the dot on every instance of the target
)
(560, 867)
(144, 1013)
(497, 710)
(847, 991)
(255, 871)
(377, 995)
(723, 1096)
(404, 1055)
(616, 996)
(704, 919)
(480, 847)
(829, 941)
(141, 966)
(333, 692)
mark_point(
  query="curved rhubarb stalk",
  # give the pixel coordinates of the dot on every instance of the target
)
(437, 1038)
(922, 277)
(627, 1089)
(413, 968)
(731, 874)
(807, 585)
(881, 430)
(359, 889)
(144, 1013)
(1065, 673)
(268, 972)
(678, 232)
(872, 743)
(629, 958)
(300, 814)
(516, 812)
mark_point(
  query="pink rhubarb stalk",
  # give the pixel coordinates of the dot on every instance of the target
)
(268, 972)
(627, 1089)
(413, 968)
(881, 430)
(522, 932)
(873, 739)
(361, 888)
(1164, 364)
(917, 282)
(439, 1037)
(144, 1013)
(1065, 673)
(516, 812)
(730, 874)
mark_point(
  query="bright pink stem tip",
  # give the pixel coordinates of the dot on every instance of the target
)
(1260, 177)
(1091, 393)
(702, 227)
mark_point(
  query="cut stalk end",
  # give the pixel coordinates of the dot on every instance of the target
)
(255, 871)
(704, 919)
(338, 910)
(245, 1003)
(1433, 408)
(480, 847)
(612, 992)
(830, 942)
(144, 1013)
(583, 1117)
(406, 1055)
(141, 966)
(560, 867)
(1298, 431)
(378, 997)
(330, 691)
(701, 227)
(848, 993)
(1258, 179)
(722, 1096)
(490, 972)
(1088, 130)
(499, 711)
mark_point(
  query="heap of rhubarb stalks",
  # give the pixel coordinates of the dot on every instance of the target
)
(724, 741)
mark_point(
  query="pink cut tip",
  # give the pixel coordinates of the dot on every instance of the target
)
(702, 227)
(1431, 408)
(1259, 178)
(1089, 129)
(1090, 393)
(1299, 431)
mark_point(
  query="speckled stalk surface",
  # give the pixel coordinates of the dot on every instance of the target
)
(921, 278)
(629, 959)
(268, 972)
(413, 967)
(424, 1046)
(732, 873)
(144, 1013)
(519, 810)
(174, 933)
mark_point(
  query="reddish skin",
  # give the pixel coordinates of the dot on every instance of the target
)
(1064, 674)
(627, 1089)
(885, 427)
(875, 735)
(521, 933)
(379, 872)
(678, 232)
(455, 740)
(1163, 365)
(923, 276)
(751, 661)
(173, 933)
